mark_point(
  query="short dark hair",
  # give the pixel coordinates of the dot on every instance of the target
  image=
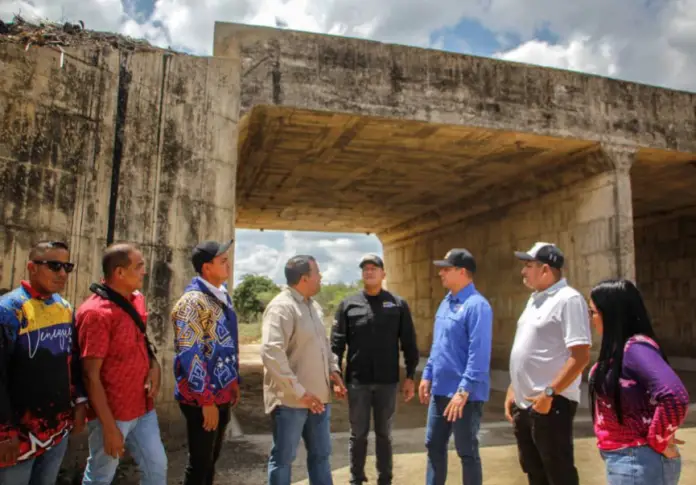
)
(42, 247)
(297, 267)
(116, 256)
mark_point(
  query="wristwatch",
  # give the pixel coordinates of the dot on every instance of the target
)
(549, 392)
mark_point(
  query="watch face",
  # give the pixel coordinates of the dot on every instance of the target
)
(549, 391)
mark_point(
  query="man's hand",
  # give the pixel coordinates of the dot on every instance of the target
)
(541, 403)
(408, 389)
(80, 418)
(153, 382)
(338, 387)
(424, 391)
(211, 417)
(672, 451)
(9, 450)
(455, 408)
(312, 402)
(113, 442)
(509, 401)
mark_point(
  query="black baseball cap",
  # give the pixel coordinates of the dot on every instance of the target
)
(543, 252)
(371, 259)
(206, 251)
(458, 258)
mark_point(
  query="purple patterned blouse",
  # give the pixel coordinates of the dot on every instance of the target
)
(653, 400)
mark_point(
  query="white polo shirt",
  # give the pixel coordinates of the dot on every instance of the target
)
(554, 320)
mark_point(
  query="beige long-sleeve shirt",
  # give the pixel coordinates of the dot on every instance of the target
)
(295, 351)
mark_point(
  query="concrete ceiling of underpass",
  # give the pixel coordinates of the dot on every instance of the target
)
(663, 184)
(323, 171)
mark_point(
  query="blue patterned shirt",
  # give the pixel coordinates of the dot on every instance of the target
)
(206, 365)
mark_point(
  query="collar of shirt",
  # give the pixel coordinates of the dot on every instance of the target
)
(365, 295)
(220, 293)
(551, 290)
(298, 296)
(462, 294)
(33, 293)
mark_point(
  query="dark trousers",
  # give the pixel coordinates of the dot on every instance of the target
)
(545, 443)
(465, 430)
(204, 446)
(378, 400)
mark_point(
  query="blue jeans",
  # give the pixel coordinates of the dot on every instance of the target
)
(143, 442)
(465, 431)
(42, 470)
(289, 424)
(640, 465)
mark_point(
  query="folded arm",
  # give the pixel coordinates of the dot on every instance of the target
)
(644, 364)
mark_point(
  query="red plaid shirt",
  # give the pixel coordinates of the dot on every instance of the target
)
(107, 332)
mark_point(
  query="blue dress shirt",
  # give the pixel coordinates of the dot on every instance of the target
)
(460, 355)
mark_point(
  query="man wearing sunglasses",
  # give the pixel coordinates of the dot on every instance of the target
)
(41, 395)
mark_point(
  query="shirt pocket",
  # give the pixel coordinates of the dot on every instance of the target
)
(453, 332)
(358, 320)
(391, 319)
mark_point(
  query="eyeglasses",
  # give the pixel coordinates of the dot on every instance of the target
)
(56, 266)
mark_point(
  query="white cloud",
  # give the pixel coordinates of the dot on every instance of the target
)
(647, 42)
(578, 54)
(258, 259)
(337, 254)
(105, 15)
(338, 243)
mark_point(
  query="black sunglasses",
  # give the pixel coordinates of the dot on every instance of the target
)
(55, 266)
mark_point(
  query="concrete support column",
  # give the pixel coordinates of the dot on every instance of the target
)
(622, 159)
(176, 184)
(409, 270)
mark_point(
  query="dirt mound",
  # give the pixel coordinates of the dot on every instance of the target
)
(20, 31)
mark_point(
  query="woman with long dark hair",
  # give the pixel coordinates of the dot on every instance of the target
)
(638, 401)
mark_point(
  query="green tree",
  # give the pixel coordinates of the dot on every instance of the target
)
(251, 296)
(332, 294)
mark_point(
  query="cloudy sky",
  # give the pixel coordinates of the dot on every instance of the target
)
(648, 41)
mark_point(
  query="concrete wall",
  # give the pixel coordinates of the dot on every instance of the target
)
(56, 142)
(177, 177)
(330, 73)
(581, 219)
(151, 135)
(666, 275)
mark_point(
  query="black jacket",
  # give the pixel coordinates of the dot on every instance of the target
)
(372, 331)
